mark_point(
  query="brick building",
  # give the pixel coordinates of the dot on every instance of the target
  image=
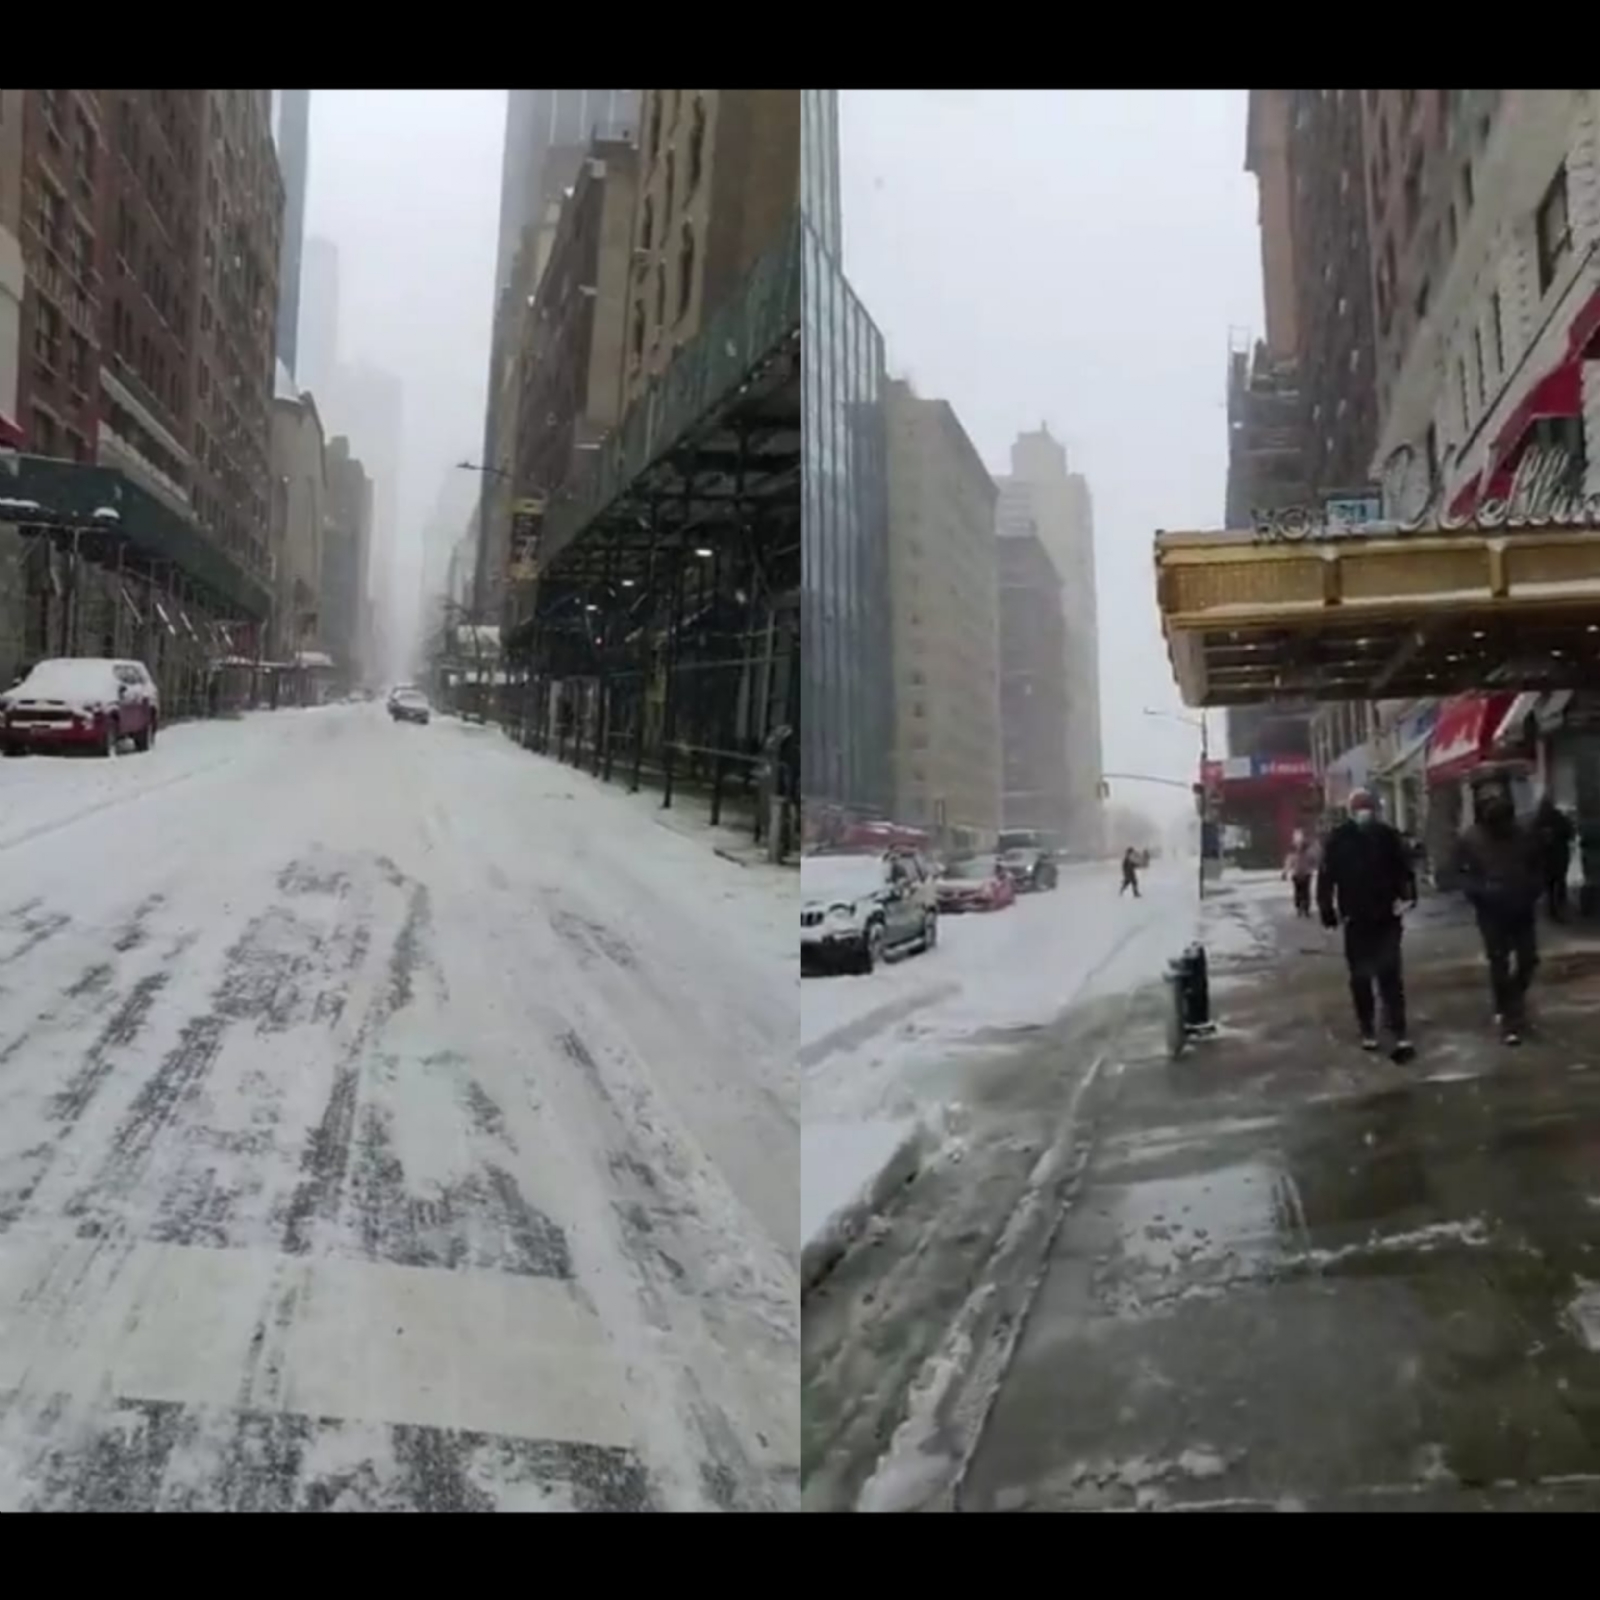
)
(150, 225)
(1333, 293)
(719, 182)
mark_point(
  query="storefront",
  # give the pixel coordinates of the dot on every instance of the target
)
(1400, 762)
(1259, 802)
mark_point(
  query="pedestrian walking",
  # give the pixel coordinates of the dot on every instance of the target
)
(1130, 873)
(1364, 879)
(1554, 829)
(1500, 863)
(1300, 868)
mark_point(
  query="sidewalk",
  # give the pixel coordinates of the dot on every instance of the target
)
(1295, 1276)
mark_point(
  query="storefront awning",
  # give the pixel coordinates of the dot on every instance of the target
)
(1463, 735)
(11, 434)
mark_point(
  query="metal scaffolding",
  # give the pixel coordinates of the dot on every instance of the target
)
(97, 572)
(663, 639)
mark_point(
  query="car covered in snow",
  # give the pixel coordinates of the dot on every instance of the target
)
(856, 909)
(1030, 859)
(80, 702)
(979, 883)
(409, 705)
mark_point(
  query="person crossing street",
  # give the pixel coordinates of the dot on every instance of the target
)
(1365, 877)
(1554, 830)
(1130, 873)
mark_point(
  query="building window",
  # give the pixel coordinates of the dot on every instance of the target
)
(1466, 407)
(647, 224)
(685, 271)
(1553, 227)
(661, 296)
(47, 336)
(655, 124)
(672, 183)
(1466, 187)
(697, 142)
(1498, 332)
(1422, 300)
(1477, 351)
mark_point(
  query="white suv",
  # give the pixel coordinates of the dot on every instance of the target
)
(856, 909)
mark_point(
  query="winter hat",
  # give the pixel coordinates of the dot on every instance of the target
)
(1360, 800)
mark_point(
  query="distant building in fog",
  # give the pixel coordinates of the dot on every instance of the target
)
(1041, 499)
(317, 341)
(1033, 687)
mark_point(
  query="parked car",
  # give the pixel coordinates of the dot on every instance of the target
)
(410, 705)
(80, 702)
(979, 883)
(1029, 859)
(857, 909)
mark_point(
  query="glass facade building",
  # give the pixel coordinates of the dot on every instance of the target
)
(819, 166)
(845, 649)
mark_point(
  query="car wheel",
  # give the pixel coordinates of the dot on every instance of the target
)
(10, 749)
(112, 739)
(145, 737)
(930, 930)
(872, 947)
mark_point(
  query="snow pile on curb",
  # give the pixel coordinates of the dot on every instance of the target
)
(848, 1173)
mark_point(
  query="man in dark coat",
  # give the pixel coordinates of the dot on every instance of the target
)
(1365, 876)
(1554, 829)
(1501, 866)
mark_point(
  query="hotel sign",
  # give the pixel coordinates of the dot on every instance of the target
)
(1541, 496)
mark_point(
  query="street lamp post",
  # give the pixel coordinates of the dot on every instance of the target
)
(1205, 757)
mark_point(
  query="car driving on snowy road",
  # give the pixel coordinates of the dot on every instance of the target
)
(80, 702)
(409, 705)
(857, 909)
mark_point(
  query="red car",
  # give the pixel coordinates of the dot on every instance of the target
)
(80, 702)
(978, 884)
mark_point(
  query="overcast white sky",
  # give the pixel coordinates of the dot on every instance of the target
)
(407, 183)
(1076, 257)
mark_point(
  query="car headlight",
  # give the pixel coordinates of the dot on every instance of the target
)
(838, 914)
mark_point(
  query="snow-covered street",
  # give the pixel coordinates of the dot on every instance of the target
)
(884, 1054)
(389, 1119)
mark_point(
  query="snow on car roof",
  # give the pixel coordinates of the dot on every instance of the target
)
(841, 874)
(82, 677)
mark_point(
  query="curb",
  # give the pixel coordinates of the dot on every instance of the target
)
(849, 1034)
(926, 1461)
(828, 1246)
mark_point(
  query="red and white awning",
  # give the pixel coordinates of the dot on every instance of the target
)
(11, 434)
(1464, 734)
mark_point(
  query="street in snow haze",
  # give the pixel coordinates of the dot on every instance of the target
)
(362, 1147)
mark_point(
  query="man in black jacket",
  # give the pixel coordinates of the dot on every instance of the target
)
(1501, 864)
(1365, 876)
(1554, 829)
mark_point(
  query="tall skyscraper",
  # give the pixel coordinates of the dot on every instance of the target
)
(317, 345)
(537, 122)
(1042, 499)
(294, 147)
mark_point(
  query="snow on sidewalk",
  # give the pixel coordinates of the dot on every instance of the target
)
(871, 1095)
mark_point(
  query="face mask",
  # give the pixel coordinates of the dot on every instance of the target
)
(1363, 818)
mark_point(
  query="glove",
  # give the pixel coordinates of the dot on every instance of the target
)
(1329, 920)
